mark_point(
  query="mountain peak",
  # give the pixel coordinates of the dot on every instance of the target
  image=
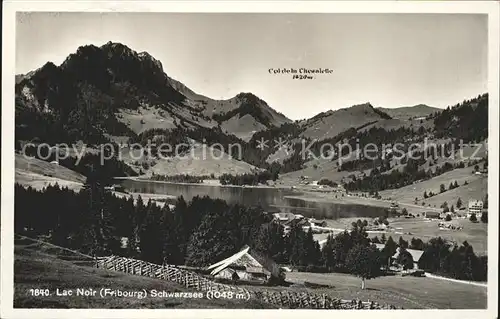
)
(364, 107)
(116, 47)
(248, 98)
(145, 57)
(246, 95)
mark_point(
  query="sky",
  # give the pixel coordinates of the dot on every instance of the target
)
(389, 60)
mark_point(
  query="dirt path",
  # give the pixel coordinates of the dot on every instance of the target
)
(480, 284)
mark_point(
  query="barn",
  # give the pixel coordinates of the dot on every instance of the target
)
(247, 265)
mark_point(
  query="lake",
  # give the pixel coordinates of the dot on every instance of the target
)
(267, 198)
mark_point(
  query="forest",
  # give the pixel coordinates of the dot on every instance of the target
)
(205, 230)
(248, 179)
(467, 121)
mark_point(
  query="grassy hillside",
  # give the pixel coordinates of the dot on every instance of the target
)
(35, 269)
(408, 292)
(39, 174)
(199, 161)
(417, 111)
(38, 181)
(242, 127)
(408, 193)
(476, 234)
(331, 123)
(33, 165)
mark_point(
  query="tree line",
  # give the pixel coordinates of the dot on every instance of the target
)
(467, 121)
(378, 181)
(248, 178)
(181, 178)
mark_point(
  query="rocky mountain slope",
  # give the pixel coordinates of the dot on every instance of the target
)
(111, 90)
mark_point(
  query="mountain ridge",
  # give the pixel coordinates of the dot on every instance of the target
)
(123, 79)
(406, 112)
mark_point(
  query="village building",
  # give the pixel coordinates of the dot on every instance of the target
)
(247, 265)
(475, 207)
(432, 215)
(289, 220)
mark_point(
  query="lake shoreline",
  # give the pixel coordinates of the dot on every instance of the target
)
(138, 179)
(299, 193)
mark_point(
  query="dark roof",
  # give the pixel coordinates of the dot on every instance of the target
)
(432, 213)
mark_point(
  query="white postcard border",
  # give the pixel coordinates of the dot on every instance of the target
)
(7, 195)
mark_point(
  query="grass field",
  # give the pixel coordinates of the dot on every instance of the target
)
(36, 269)
(45, 266)
(408, 193)
(39, 174)
(475, 234)
(407, 292)
(474, 190)
(36, 166)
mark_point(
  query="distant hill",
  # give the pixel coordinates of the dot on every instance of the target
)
(407, 112)
(331, 123)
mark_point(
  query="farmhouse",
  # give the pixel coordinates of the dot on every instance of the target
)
(246, 265)
(415, 254)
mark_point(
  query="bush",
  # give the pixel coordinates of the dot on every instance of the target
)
(448, 218)
(473, 218)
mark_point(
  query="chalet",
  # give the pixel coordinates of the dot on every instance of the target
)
(246, 265)
(315, 222)
(116, 188)
(302, 222)
(394, 205)
(283, 217)
(415, 254)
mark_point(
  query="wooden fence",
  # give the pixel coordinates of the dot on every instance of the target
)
(190, 279)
